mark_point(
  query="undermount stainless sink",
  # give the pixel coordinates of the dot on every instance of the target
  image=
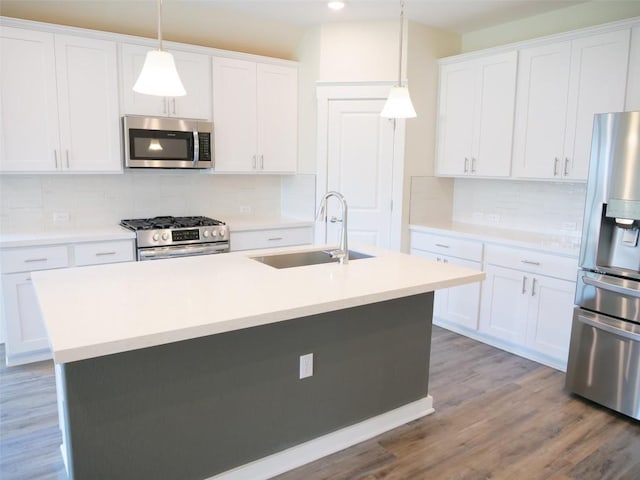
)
(301, 259)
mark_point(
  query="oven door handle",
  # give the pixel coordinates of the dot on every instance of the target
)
(174, 252)
(594, 322)
(612, 287)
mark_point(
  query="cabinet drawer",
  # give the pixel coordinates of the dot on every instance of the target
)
(96, 253)
(34, 258)
(455, 247)
(279, 237)
(531, 261)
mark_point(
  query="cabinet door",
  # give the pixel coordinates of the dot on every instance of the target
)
(493, 135)
(505, 297)
(195, 72)
(131, 61)
(88, 104)
(26, 336)
(456, 118)
(632, 102)
(234, 115)
(463, 302)
(440, 297)
(29, 138)
(277, 111)
(541, 106)
(549, 316)
(597, 85)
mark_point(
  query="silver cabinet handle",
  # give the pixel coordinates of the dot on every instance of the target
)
(533, 287)
(253, 164)
(274, 239)
(566, 166)
(473, 165)
(466, 165)
(441, 245)
(555, 166)
(524, 284)
(55, 158)
(531, 262)
(164, 106)
(34, 260)
(67, 154)
(438, 259)
(104, 254)
(261, 162)
(335, 220)
(173, 100)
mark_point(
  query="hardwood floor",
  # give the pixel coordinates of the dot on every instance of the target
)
(498, 416)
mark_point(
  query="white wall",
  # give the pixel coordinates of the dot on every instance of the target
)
(569, 18)
(29, 201)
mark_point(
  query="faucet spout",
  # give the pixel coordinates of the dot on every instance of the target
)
(342, 252)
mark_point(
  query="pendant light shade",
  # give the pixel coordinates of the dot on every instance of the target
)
(159, 75)
(398, 103)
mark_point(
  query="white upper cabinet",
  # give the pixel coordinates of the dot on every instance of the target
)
(194, 71)
(475, 121)
(254, 116)
(59, 103)
(560, 87)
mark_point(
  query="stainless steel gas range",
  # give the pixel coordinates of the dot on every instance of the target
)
(172, 237)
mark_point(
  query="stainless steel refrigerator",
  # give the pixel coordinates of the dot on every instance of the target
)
(604, 354)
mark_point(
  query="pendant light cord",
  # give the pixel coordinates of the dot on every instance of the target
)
(401, 35)
(160, 24)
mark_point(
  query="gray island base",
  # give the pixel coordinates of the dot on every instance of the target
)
(195, 408)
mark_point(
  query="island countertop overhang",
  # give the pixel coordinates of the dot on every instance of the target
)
(107, 309)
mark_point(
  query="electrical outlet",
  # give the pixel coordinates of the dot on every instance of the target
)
(60, 216)
(306, 365)
(245, 209)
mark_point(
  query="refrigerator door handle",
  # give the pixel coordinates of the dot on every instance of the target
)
(612, 287)
(600, 325)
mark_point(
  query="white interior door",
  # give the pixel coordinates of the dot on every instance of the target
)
(360, 166)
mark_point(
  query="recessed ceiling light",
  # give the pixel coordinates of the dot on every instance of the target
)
(336, 5)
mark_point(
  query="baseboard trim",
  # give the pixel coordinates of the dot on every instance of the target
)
(312, 450)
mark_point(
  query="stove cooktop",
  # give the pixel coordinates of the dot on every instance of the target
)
(163, 223)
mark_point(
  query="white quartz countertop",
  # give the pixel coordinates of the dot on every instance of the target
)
(248, 223)
(106, 309)
(70, 235)
(562, 244)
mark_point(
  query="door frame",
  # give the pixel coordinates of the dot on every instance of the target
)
(328, 91)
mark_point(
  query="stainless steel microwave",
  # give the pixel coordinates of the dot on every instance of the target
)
(151, 142)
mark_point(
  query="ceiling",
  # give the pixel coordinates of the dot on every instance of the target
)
(460, 16)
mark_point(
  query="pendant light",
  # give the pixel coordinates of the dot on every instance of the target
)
(399, 102)
(159, 75)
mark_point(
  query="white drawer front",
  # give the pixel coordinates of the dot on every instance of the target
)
(96, 253)
(280, 237)
(531, 261)
(34, 258)
(455, 247)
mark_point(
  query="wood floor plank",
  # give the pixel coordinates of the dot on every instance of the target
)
(498, 416)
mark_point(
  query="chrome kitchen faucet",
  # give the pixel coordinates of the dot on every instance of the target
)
(342, 252)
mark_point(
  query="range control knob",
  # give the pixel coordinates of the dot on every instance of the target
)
(206, 234)
(214, 233)
(223, 232)
(156, 237)
(165, 236)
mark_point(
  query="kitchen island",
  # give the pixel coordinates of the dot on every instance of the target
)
(191, 367)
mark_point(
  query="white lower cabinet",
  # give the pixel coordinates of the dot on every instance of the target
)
(24, 330)
(527, 301)
(524, 305)
(455, 305)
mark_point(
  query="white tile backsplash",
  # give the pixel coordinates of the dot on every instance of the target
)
(30, 201)
(542, 207)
